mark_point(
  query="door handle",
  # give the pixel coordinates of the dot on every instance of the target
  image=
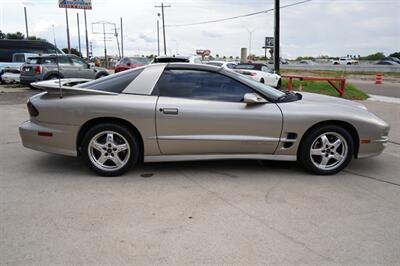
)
(169, 111)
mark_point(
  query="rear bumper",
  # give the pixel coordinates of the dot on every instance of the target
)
(29, 79)
(62, 141)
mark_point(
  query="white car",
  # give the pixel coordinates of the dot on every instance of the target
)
(261, 73)
(226, 65)
(345, 61)
(11, 76)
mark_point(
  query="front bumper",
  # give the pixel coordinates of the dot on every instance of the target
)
(62, 139)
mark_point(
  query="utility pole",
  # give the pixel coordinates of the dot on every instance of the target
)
(86, 37)
(122, 38)
(26, 23)
(68, 40)
(163, 24)
(116, 37)
(105, 46)
(276, 37)
(158, 34)
(79, 34)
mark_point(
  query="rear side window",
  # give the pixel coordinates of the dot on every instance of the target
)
(113, 83)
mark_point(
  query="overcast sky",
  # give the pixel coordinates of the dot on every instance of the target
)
(319, 27)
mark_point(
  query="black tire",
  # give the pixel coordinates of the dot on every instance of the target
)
(279, 85)
(52, 76)
(262, 81)
(101, 76)
(131, 159)
(308, 161)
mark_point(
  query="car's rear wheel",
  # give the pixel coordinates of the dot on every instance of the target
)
(53, 76)
(110, 149)
(326, 150)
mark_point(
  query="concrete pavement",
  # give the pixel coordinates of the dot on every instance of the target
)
(55, 211)
(388, 88)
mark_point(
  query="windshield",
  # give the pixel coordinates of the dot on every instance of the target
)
(139, 60)
(214, 64)
(245, 66)
(265, 89)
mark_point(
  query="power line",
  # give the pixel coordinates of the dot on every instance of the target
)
(239, 16)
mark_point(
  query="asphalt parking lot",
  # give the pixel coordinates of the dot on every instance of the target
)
(55, 211)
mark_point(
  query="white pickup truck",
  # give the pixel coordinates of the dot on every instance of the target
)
(18, 59)
(345, 61)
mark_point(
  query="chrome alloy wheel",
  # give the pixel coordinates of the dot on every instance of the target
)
(109, 151)
(328, 151)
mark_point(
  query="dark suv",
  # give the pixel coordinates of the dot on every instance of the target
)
(71, 66)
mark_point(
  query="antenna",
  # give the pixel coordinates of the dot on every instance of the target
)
(58, 63)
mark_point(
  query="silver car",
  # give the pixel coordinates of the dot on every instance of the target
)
(71, 66)
(181, 112)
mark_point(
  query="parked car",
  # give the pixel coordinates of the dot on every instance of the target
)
(13, 53)
(13, 67)
(261, 73)
(71, 66)
(183, 112)
(387, 62)
(131, 62)
(227, 65)
(11, 76)
(345, 61)
(193, 59)
(307, 62)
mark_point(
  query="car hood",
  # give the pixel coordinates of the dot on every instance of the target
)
(309, 97)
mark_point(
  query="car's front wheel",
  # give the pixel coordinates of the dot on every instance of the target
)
(326, 150)
(110, 149)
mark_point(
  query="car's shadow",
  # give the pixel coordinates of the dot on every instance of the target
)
(71, 166)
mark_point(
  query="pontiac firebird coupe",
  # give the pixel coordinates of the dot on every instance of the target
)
(181, 112)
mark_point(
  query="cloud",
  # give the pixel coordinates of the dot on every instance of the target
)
(336, 28)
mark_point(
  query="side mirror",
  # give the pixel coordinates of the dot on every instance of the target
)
(253, 98)
(128, 64)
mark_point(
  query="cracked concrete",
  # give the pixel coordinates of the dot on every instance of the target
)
(54, 210)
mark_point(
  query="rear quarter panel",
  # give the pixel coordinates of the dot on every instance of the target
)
(76, 110)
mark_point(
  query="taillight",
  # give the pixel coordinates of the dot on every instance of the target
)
(38, 69)
(253, 74)
(33, 112)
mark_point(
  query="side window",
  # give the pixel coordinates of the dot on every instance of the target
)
(231, 66)
(49, 60)
(62, 60)
(264, 69)
(204, 85)
(113, 83)
(78, 62)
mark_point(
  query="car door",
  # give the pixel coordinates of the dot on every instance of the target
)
(81, 69)
(200, 112)
(66, 67)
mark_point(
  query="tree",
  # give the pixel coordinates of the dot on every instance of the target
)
(73, 51)
(375, 56)
(34, 38)
(15, 36)
(2, 35)
(396, 54)
(217, 55)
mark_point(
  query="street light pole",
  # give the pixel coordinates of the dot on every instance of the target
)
(26, 23)
(122, 38)
(79, 34)
(158, 34)
(276, 36)
(86, 37)
(68, 40)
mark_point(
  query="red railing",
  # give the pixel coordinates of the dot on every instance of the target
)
(339, 84)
